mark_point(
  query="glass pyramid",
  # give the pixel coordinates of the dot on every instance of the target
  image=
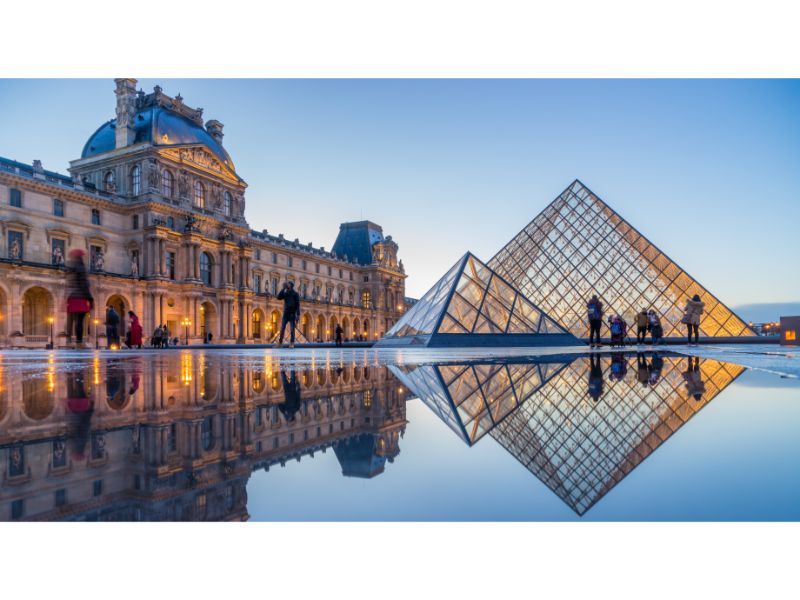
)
(472, 399)
(581, 448)
(578, 246)
(472, 305)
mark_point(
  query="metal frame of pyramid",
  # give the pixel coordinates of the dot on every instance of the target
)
(578, 246)
(473, 398)
(474, 306)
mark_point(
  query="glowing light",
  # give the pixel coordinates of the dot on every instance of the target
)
(791, 335)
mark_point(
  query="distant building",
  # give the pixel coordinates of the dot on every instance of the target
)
(790, 327)
(156, 203)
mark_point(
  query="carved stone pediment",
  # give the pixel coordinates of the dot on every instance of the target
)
(199, 157)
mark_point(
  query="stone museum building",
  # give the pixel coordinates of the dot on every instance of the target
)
(156, 204)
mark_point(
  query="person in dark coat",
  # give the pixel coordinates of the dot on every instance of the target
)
(594, 310)
(339, 334)
(642, 321)
(291, 310)
(112, 327)
(595, 388)
(291, 394)
(135, 331)
(79, 298)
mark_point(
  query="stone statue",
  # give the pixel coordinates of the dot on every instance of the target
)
(183, 184)
(58, 257)
(15, 251)
(98, 261)
(134, 267)
(240, 204)
(216, 197)
(153, 176)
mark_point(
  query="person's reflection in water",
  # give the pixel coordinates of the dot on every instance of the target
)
(135, 375)
(79, 414)
(642, 369)
(115, 383)
(694, 382)
(656, 366)
(619, 367)
(291, 392)
(595, 388)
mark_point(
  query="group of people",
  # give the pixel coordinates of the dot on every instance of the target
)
(648, 374)
(161, 337)
(647, 321)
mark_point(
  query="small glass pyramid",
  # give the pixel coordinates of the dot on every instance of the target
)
(578, 246)
(473, 306)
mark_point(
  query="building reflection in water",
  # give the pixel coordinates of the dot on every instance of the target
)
(177, 436)
(580, 425)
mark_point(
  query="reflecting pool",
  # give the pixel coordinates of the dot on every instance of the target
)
(364, 435)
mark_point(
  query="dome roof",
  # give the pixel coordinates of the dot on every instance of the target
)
(161, 127)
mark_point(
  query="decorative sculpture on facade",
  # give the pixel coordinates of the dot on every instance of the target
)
(58, 257)
(183, 184)
(98, 261)
(134, 265)
(15, 252)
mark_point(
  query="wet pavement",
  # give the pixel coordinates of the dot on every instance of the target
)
(707, 433)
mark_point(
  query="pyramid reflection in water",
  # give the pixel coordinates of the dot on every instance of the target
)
(549, 420)
(473, 306)
(579, 246)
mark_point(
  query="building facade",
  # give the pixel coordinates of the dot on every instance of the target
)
(157, 205)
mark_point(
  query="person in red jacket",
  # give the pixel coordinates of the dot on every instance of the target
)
(79, 298)
(134, 332)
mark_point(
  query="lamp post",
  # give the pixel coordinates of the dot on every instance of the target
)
(96, 340)
(51, 320)
(186, 322)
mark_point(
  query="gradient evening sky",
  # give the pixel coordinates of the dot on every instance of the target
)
(706, 169)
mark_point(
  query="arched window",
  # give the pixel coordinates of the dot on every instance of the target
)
(166, 184)
(199, 195)
(136, 180)
(228, 204)
(366, 299)
(256, 324)
(110, 182)
(205, 268)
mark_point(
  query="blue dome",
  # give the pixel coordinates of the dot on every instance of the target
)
(161, 127)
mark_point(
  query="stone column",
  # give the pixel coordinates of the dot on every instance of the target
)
(196, 260)
(162, 257)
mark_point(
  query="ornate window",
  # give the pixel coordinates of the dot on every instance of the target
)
(15, 198)
(227, 204)
(136, 180)
(110, 182)
(366, 299)
(205, 268)
(58, 207)
(166, 184)
(199, 195)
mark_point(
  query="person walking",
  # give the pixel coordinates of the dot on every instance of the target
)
(112, 328)
(339, 334)
(691, 318)
(594, 309)
(641, 326)
(291, 311)
(134, 337)
(79, 299)
(164, 336)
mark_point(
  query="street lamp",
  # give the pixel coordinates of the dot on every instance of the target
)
(51, 320)
(96, 341)
(186, 322)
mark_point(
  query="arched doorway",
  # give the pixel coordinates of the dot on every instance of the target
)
(366, 329)
(305, 323)
(38, 397)
(208, 317)
(121, 307)
(258, 324)
(37, 309)
(332, 323)
(346, 328)
(319, 333)
(3, 317)
(274, 325)
(356, 329)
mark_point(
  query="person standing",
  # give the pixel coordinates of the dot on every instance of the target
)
(112, 328)
(291, 310)
(654, 325)
(164, 336)
(691, 318)
(594, 309)
(79, 298)
(641, 326)
(339, 333)
(135, 331)
(155, 341)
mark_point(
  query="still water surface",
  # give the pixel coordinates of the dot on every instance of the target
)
(352, 435)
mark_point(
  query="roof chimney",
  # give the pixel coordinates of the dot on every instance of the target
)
(214, 128)
(126, 109)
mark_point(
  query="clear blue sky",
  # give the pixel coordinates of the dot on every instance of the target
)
(707, 169)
